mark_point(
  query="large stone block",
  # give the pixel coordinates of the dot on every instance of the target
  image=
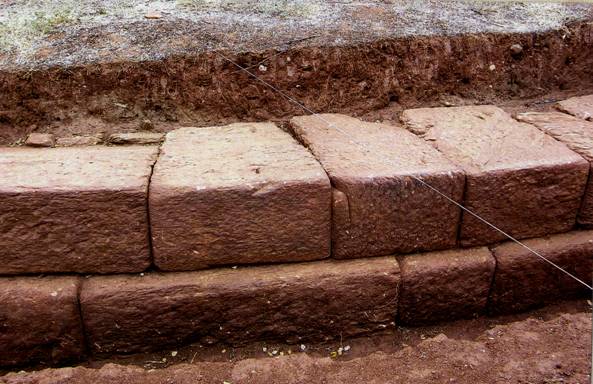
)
(445, 285)
(317, 300)
(523, 280)
(244, 193)
(39, 320)
(577, 134)
(74, 209)
(378, 208)
(581, 107)
(517, 177)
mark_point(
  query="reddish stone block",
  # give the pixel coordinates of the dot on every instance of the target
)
(244, 193)
(74, 209)
(518, 178)
(577, 134)
(292, 302)
(445, 285)
(581, 107)
(523, 280)
(378, 208)
(39, 321)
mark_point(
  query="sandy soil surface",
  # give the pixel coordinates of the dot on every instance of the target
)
(550, 345)
(41, 33)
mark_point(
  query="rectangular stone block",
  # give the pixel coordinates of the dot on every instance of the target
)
(74, 209)
(581, 107)
(292, 302)
(445, 285)
(244, 193)
(517, 177)
(378, 209)
(523, 280)
(577, 134)
(39, 321)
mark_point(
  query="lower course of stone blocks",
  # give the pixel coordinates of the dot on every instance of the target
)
(524, 281)
(318, 300)
(40, 320)
(444, 285)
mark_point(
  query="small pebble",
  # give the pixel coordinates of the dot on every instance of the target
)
(152, 15)
(174, 353)
(516, 49)
(303, 347)
(492, 67)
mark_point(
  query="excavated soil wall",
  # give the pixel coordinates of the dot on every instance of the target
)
(206, 89)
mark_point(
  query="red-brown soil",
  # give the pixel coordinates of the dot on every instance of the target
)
(552, 345)
(205, 89)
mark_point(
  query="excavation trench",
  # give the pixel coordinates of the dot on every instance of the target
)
(206, 88)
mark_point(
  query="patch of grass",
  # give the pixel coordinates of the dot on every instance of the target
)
(276, 8)
(18, 30)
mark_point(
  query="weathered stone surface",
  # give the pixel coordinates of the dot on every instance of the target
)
(444, 285)
(40, 140)
(517, 177)
(39, 320)
(581, 107)
(577, 134)
(74, 209)
(292, 302)
(136, 138)
(378, 208)
(73, 141)
(523, 280)
(244, 193)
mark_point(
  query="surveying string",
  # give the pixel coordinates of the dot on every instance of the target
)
(422, 182)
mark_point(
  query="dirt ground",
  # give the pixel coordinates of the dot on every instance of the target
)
(37, 33)
(75, 68)
(550, 345)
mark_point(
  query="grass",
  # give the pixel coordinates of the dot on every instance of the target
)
(19, 29)
(276, 8)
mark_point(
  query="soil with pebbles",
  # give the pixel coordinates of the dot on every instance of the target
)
(550, 345)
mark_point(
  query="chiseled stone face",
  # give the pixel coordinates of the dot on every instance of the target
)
(581, 107)
(445, 285)
(74, 209)
(243, 193)
(524, 281)
(517, 177)
(291, 302)
(39, 320)
(577, 134)
(378, 209)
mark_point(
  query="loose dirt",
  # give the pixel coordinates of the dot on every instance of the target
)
(109, 69)
(550, 345)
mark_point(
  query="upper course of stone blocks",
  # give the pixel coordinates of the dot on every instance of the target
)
(577, 134)
(244, 193)
(517, 177)
(581, 107)
(74, 209)
(378, 209)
